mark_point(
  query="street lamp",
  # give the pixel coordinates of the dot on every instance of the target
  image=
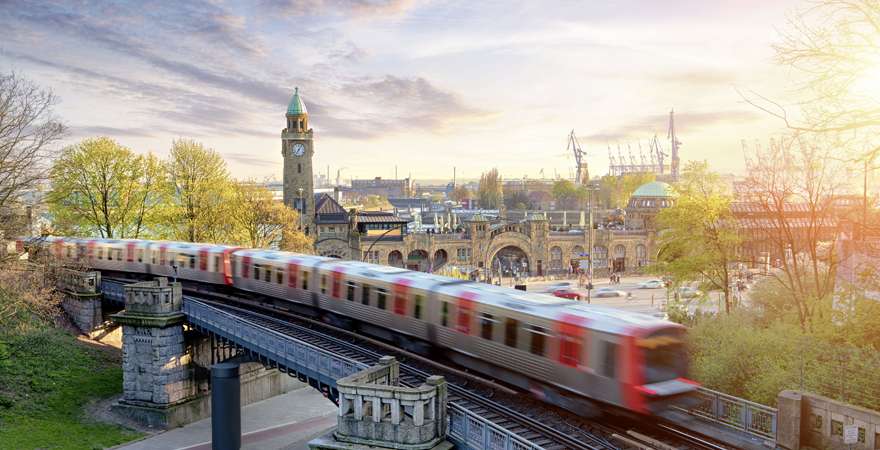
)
(590, 188)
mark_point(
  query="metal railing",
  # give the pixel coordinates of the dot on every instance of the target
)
(467, 429)
(470, 431)
(734, 412)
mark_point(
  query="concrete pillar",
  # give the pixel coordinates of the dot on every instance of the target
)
(81, 298)
(358, 407)
(156, 367)
(419, 413)
(788, 420)
(395, 411)
(377, 409)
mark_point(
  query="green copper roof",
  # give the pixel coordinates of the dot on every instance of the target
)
(296, 105)
(653, 189)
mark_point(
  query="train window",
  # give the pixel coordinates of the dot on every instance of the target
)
(464, 317)
(511, 327)
(323, 283)
(610, 361)
(256, 272)
(140, 255)
(192, 262)
(349, 291)
(119, 254)
(305, 280)
(100, 253)
(486, 323)
(539, 335)
(279, 277)
(109, 254)
(381, 295)
(267, 276)
(153, 257)
(417, 306)
(365, 294)
(217, 263)
(444, 319)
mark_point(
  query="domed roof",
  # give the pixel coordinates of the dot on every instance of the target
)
(654, 189)
(296, 105)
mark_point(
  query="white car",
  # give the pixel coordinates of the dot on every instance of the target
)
(651, 284)
(689, 292)
(559, 285)
(610, 292)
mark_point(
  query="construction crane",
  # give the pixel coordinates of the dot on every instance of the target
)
(582, 174)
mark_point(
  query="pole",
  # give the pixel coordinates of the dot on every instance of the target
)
(590, 244)
(225, 407)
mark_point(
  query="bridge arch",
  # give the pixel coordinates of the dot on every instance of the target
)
(395, 258)
(418, 260)
(441, 257)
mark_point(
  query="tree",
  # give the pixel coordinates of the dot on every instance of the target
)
(489, 191)
(614, 191)
(262, 222)
(101, 188)
(568, 195)
(202, 194)
(460, 193)
(792, 184)
(27, 132)
(517, 200)
(699, 239)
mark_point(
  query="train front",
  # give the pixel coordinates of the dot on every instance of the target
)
(660, 364)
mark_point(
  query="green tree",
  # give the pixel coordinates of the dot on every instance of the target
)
(568, 195)
(262, 222)
(517, 200)
(203, 194)
(614, 191)
(101, 188)
(489, 191)
(699, 238)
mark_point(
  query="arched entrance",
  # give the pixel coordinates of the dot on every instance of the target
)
(619, 258)
(395, 259)
(641, 255)
(440, 259)
(510, 261)
(555, 259)
(418, 260)
(577, 255)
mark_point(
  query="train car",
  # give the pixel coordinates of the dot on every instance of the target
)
(283, 275)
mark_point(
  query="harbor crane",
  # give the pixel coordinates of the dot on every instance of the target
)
(582, 174)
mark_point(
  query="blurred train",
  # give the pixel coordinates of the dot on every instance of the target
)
(565, 352)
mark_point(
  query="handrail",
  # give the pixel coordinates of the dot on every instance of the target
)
(734, 412)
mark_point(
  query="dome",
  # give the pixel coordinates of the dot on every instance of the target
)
(654, 189)
(296, 105)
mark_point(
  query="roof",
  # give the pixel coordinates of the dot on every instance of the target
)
(328, 210)
(296, 105)
(654, 189)
(379, 217)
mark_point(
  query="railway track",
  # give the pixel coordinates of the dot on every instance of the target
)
(555, 430)
(526, 427)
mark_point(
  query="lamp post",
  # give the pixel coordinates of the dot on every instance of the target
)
(590, 188)
(301, 207)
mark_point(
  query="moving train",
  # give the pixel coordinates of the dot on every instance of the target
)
(565, 352)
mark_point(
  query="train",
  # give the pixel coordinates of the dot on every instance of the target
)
(565, 352)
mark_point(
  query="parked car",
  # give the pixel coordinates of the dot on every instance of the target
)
(568, 292)
(689, 292)
(651, 284)
(610, 292)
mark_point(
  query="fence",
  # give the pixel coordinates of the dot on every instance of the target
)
(753, 418)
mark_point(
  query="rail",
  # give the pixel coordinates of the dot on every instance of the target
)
(467, 429)
(734, 412)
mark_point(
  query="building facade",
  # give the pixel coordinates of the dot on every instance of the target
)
(297, 149)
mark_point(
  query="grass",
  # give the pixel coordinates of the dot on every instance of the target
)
(46, 379)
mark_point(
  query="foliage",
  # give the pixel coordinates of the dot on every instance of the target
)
(615, 191)
(27, 131)
(698, 239)
(517, 200)
(568, 195)
(261, 222)
(100, 187)
(46, 375)
(203, 194)
(374, 203)
(461, 193)
(489, 191)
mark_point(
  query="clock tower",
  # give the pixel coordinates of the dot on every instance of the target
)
(297, 149)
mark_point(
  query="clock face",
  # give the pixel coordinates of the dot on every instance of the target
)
(299, 149)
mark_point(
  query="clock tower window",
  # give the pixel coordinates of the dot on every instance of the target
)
(299, 168)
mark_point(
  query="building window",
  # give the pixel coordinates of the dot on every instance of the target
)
(836, 428)
(299, 168)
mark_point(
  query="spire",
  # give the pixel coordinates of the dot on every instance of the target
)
(296, 105)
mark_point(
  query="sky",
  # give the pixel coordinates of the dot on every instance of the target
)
(420, 86)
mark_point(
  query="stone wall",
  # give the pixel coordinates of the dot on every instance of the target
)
(156, 367)
(85, 311)
(810, 420)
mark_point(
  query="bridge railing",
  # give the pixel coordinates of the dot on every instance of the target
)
(738, 413)
(466, 428)
(470, 431)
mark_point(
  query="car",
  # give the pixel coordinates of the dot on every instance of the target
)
(651, 284)
(689, 292)
(568, 293)
(610, 292)
(559, 285)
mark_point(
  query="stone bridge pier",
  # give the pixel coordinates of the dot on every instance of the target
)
(81, 298)
(166, 366)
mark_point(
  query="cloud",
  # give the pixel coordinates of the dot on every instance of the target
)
(250, 160)
(112, 132)
(645, 126)
(360, 8)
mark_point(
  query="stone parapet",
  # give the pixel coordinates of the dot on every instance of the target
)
(78, 281)
(375, 410)
(82, 297)
(808, 420)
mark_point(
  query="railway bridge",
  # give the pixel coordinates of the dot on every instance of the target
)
(170, 341)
